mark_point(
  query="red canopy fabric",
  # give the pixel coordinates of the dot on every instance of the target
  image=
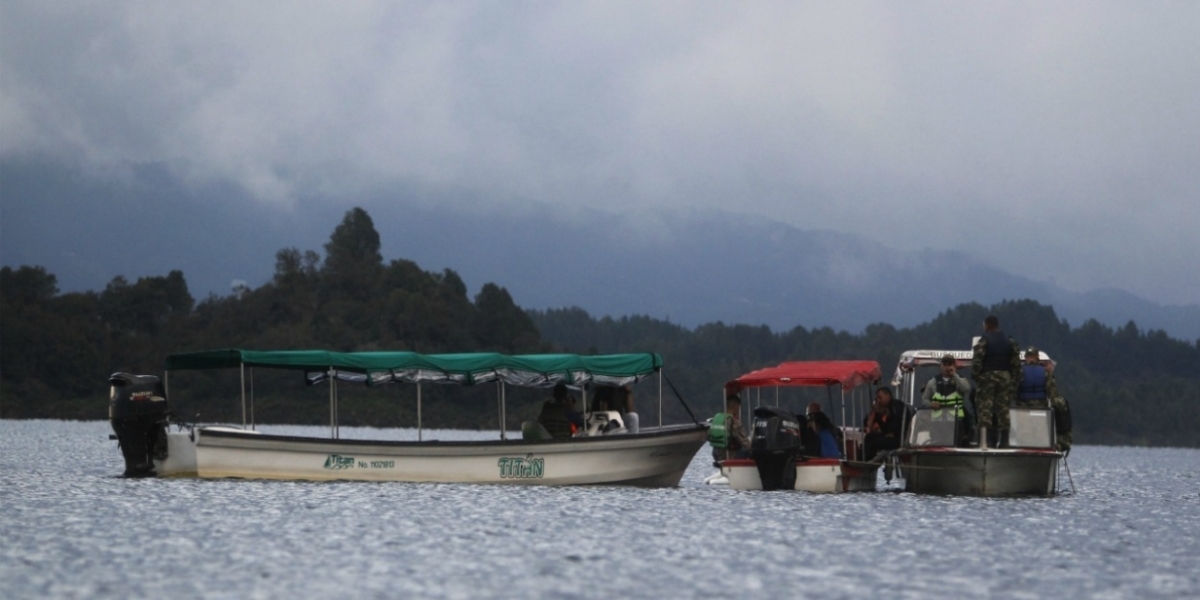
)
(849, 373)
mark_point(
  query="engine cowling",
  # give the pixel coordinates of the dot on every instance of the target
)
(138, 412)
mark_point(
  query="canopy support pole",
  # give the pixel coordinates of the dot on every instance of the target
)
(252, 424)
(243, 371)
(332, 406)
(500, 398)
(660, 378)
(419, 436)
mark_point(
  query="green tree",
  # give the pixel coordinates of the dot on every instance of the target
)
(353, 265)
(500, 325)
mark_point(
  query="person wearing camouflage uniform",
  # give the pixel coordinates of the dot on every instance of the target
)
(996, 369)
(1062, 423)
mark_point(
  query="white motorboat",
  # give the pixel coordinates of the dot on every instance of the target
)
(637, 456)
(933, 459)
(807, 473)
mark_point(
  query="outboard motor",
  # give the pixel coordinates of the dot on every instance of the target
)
(774, 447)
(137, 409)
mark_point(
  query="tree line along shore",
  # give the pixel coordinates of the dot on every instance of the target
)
(1126, 386)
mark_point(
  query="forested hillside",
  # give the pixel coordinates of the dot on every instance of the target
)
(1126, 386)
(58, 349)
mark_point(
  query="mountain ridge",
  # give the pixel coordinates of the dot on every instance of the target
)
(688, 266)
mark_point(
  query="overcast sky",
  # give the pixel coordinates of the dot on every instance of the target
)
(1057, 140)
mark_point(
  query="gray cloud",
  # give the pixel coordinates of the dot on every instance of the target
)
(1059, 140)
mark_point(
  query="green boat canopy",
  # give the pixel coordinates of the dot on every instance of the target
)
(528, 370)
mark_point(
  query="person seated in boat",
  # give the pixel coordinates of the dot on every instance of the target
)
(814, 408)
(820, 423)
(1037, 382)
(558, 415)
(884, 425)
(725, 434)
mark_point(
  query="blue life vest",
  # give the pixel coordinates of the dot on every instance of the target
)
(1033, 384)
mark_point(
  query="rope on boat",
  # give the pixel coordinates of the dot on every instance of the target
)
(677, 395)
(1069, 478)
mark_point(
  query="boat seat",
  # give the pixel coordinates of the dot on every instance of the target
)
(532, 431)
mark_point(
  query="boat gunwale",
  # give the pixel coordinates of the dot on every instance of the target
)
(665, 431)
(981, 452)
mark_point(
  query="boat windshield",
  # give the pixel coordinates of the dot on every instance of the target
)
(931, 427)
(1030, 428)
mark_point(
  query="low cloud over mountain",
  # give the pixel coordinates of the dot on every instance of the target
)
(691, 266)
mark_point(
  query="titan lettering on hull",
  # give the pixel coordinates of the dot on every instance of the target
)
(521, 468)
(338, 462)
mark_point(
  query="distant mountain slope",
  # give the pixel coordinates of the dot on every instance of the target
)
(691, 267)
(696, 267)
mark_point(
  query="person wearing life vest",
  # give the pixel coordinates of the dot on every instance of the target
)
(996, 369)
(725, 433)
(947, 392)
(1037, 382)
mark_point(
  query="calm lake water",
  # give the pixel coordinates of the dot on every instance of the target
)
(72, 529)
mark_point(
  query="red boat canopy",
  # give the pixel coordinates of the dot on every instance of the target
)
(848, 373)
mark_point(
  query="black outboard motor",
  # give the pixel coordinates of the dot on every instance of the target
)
(137, 409)
(775, 446)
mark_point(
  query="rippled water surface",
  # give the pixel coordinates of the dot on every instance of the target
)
(72, 529)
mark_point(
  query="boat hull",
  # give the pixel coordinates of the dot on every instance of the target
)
(974, 472)
(823, 475)
(655, 458)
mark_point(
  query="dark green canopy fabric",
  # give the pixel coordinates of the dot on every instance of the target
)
(533, 370)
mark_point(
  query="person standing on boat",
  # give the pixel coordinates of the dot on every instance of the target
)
(947, 394)
(558, 414)
(1037, 382)
(996, 369)
(726, 435)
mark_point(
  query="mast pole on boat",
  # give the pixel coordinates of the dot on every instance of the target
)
(419, 410)
(243, 371)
